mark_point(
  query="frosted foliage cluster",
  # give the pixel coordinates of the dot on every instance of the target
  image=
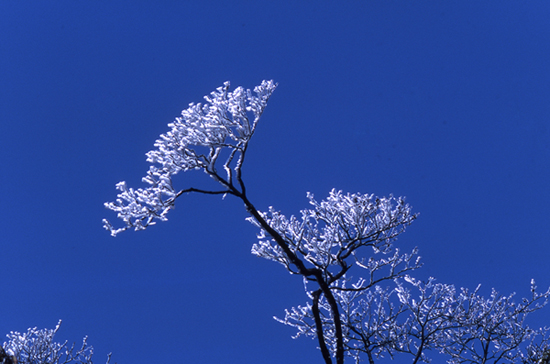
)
(467, 327)
(342, 234)
(386, 312)
(226, 121)
(38, 347)
(332, 232)
(418, 318)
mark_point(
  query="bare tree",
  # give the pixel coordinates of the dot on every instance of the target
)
(382, 312)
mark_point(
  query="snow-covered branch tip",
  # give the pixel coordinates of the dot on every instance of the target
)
(226, 121)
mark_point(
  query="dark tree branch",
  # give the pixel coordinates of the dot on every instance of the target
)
(319, 327)
(207, 192)
(304, 271)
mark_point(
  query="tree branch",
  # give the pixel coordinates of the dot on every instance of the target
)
(319, 327)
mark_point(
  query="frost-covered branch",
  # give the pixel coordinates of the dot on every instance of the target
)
(332, 238)
(220, 128)
(469, 328)
(493, 329)
(38, 347)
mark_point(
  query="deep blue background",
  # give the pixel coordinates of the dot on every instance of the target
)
(445, 102)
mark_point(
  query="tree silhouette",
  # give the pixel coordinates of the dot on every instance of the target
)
(383, 311)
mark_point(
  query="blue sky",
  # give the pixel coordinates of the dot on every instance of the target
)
(443, 102)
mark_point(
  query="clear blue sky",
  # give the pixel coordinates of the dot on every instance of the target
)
(445, 102)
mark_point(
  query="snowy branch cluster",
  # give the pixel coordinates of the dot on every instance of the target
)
(419, 318)
(404, 315)
(329, 235)
(363, 302)
(38, 347)
(195, 141)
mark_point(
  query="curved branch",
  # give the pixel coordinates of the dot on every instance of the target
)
(206, 192)
(304, 271)
(319, 327)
